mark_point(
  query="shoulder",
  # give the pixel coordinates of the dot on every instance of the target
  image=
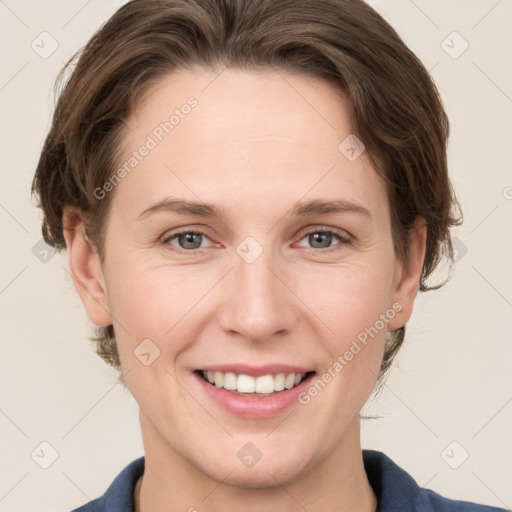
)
(397, 490)
(433, 501)
(119, 496)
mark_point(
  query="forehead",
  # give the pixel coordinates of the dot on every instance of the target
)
(231, 104)
(265, 136)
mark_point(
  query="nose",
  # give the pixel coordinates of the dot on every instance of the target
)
(258, 301)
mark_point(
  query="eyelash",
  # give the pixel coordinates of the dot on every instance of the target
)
(339, 234)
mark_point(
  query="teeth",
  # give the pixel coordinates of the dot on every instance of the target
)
(246, 384)
(279, 382)
(230, 381)
(265, 384)
(289, 381)
(219, 379)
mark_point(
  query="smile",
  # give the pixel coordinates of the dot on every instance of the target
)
(262, 385)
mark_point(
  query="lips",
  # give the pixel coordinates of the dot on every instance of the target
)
(257, 392)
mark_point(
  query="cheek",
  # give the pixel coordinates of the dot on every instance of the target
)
(154, 323)
(160, 304)
(357, 309)
(353, 351)
(355, 299)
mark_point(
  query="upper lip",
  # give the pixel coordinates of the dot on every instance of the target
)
(256, 371)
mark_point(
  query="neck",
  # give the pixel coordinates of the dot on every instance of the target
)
(338, 483)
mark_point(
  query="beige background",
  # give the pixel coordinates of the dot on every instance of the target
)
(453, 378)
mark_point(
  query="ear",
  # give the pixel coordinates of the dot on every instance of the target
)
(85, 267)
(408, 274)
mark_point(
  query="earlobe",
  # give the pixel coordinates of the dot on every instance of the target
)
(409, 274)
(85, 269)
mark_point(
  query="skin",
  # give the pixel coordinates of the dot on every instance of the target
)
(253, 146)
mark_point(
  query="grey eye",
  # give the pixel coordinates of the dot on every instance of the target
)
(318, 240)
(190, 240)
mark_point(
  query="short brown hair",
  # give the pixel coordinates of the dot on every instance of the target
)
(395, 107)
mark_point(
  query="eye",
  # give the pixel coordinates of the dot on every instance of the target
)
(322, 238)
(192, 240)
(186, 240)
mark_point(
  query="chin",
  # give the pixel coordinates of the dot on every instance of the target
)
(268, 468)
(263, 475)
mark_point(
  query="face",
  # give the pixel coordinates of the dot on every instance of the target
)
(257, 282)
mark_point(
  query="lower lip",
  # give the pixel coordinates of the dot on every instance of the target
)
(254, 406)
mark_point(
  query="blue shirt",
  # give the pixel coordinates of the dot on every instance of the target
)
(395, 489)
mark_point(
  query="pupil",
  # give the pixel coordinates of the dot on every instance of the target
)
(189, 238)
(317, 237)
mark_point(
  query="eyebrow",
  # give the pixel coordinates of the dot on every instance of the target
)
(301, 209)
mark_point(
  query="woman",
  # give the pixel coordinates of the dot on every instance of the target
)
(251, 194)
